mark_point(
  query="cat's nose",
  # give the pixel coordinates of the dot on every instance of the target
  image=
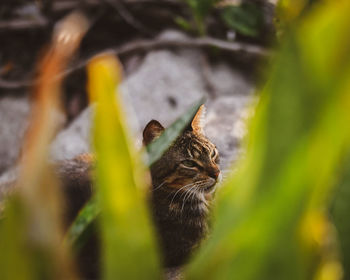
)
(214, 173)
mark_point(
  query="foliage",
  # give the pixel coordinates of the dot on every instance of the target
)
(246, 18)
(271, 220)
(125, 227)
(87, 215)
(127, 232)
(31, 232)
(290, 11)
(200, 10)
(340, 215)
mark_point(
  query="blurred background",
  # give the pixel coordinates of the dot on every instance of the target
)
(166, 66)
(275, 75)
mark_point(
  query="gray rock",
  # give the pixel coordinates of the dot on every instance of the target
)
(75, 139)
(14, 113)
(162, 86)
(226, 122)
(7, 183)
(167, 83)
(226, 80)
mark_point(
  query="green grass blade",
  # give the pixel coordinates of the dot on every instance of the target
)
(340, 216)
(127, 232)
(87, 215)
(246, 19)
(270, 220)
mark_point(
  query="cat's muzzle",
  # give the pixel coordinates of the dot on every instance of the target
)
(210, 185)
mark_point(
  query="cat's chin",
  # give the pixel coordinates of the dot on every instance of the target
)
(210, 189)
(211, 186)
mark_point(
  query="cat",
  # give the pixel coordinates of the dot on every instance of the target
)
(183, 184)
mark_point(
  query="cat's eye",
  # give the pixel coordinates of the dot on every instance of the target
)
(188, 163)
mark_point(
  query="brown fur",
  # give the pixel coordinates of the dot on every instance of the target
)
(183, 182)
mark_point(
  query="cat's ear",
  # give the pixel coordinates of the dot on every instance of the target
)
(198, 120)
(152, 131)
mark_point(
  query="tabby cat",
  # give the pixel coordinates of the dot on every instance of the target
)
(183, 182)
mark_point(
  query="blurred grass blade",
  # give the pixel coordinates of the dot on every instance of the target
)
(291, 9)
(91, 210)
(288, 12)
(340, 215)
(270, 221)
(31, 233)
(127, 233)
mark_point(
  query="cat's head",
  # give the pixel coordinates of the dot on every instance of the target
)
(191, 162)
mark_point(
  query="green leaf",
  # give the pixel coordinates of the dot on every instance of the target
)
(183, 23)
(200, 10)
(246, 19)
(126, 229)
(340, 215)
(87, 215)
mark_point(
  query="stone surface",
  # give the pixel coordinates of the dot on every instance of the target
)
(75, 139)
(14, 114)
(162, 86)
(226, 122)
(229, 81)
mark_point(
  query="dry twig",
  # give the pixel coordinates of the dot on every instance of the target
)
(147, 45)
(20, 24)
(71, 4)
(119, 6)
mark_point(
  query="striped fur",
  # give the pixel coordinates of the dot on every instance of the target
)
(183, 180)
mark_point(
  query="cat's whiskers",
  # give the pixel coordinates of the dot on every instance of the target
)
(191, 194)
(160, 185)
(189, 191)
(206, 203)
(195, 184)
(188, 185)
(195, 192)
(188, 194)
